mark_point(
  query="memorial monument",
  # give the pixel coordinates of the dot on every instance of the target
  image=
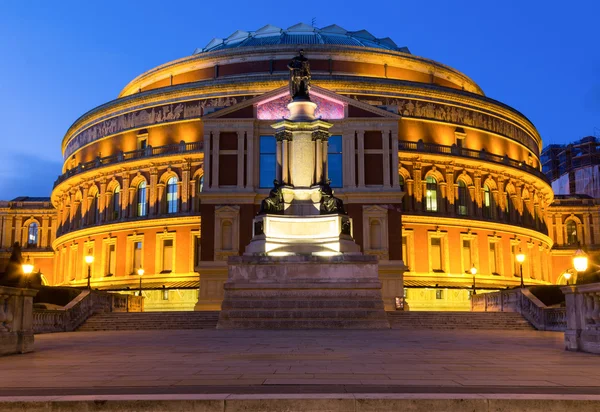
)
(302, 268)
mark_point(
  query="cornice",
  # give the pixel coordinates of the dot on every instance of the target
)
(329, 51)
(137, 224)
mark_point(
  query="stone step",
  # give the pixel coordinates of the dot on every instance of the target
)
(301, 304)
(317, 313)
(304, 324)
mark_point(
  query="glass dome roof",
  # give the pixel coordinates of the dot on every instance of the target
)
(301, 34)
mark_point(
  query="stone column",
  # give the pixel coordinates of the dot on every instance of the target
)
(102, 201)
(152, 195)
(451, 190)
(279, 160)
(560, 240)
(240, 159)
(85, 205)
(587, 240)
(53, 229)
(185, 186)
(418, 186)
(159, 202)
(285, 167)
(325, 148)
(18, 225)
(125, 197)
(395, 163)
(361, 159)
(207, 162)
(350, 160)
(215, 161)
(249, 158)
(477, 189)
(386, 159)
(501, 198)
(43, 240)
(318, 161)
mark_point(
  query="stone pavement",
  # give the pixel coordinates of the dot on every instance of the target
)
(275, 362)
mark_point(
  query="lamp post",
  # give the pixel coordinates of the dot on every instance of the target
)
(567, 275)
(140, 272)
(521, 258)
(89, 259)
(474, 272)
(27, 269)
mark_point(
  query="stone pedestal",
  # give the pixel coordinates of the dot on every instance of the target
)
(16, 320)
(303, 292)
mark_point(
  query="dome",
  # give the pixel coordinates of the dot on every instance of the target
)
(301, 33)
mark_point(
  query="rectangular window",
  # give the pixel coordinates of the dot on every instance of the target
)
(493, 259)
(439, 294)
(436, 254)
(334, 161)
(167, 261)
(111, 263)
(137, 256)
(267, 163)
(405, 252)
(467, 256)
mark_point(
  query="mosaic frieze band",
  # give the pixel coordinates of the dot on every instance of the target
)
(147, 117)
(451, 114)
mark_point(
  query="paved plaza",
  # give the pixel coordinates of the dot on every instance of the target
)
(271, 362)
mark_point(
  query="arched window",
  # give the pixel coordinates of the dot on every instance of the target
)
(571, 228)
(172, 195)
(141, 200)
(116, 202)
(463, 199)
(201, 184)
(32, 237)
(431, 194)
(487, 202)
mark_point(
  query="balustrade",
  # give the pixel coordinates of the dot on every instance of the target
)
(16, 327)
(524, 302)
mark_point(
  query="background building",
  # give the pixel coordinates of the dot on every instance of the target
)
(170, 174)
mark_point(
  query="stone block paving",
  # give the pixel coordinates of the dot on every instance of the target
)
(297, 361)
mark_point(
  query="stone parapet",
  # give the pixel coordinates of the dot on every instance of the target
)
(583, 318)
(16, 320)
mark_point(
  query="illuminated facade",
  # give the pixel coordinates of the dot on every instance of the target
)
(169, 175)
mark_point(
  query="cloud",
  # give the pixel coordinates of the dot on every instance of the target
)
(24, 174)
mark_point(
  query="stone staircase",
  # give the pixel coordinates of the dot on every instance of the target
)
(293, 310)
(458, 320)
(337, 306)
(150, 320)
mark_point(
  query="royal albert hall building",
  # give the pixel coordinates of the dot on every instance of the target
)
(169, 175)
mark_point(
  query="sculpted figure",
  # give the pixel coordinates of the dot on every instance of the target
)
(329, 203)
(299, 76)
(273, 204)
(13, 274)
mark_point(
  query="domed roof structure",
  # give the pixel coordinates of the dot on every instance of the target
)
(301, 34)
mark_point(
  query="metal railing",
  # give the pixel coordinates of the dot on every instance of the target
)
(455, 150)
(147, 152)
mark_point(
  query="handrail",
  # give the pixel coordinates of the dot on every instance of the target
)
(86, 304)
(455, 150)
(148, 151)
(525, 303)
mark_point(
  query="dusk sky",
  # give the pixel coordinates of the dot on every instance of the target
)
(60, 59)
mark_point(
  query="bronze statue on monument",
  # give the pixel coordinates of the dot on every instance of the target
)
(299, 77)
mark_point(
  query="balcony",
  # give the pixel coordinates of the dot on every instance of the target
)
(454, 150)
(121, 157)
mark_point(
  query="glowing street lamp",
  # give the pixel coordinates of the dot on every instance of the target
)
(521, 258)
(140, 272)
(474, 272)
(580, 261)
(567, 276)
(89, 259)
(27, 269)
